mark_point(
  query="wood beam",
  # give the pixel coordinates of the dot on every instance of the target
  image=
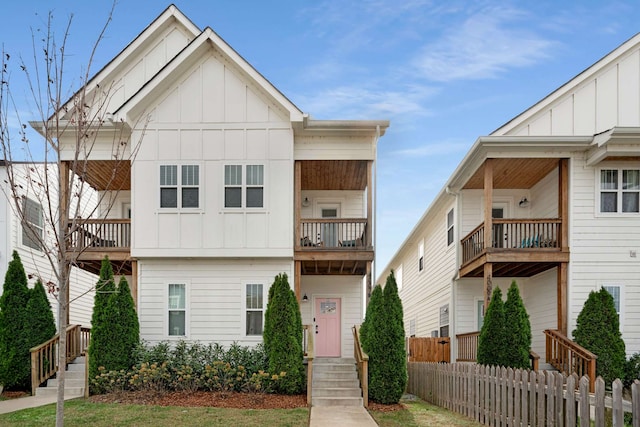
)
(297, 201)
(562, 298)
(488, 284)
(563, 202)
(296, 280)
(369, 235)
(488, 203)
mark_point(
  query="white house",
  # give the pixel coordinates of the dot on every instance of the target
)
(231, 185)
(551, 200)
(15, 235)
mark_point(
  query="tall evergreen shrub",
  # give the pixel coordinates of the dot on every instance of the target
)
(102, 336)
(126, 329)
(492, 339)
(369, 326)
(517, 330)
(282, 336)
(598, 330)
(14, 336)
(40, 322)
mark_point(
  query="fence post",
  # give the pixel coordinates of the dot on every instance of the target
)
(35, 376)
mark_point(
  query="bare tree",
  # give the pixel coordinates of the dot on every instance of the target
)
(57, 167)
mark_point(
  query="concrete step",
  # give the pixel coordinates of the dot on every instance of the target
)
(334, 368)
(52, 391)
(336, 401)
(335, 383)
(68, 382)
(334, 360)
(338, 375)
(75, 367)
(337, 392)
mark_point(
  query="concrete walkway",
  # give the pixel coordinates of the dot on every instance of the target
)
(344, 416)
(12, 405)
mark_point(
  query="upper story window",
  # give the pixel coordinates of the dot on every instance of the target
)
(244, 186)
(450, 227)
(398, 276)
(620, 191)
(421, 256)
(179, 190)
(33, 224)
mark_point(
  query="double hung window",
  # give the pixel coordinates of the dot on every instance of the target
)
(177, 310)
(254, 309)
(619, 191)
(180, 190)
(244, 186)
(33, 224)
(450, 227)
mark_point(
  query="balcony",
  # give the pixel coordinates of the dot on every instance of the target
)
(518, 248)
(91, 239)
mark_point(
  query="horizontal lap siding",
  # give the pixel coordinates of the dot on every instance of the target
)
(214, 296)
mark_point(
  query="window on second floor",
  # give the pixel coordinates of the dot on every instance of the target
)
(450, 227)
(421, 256)
(619, 191)
(247, 192)
(179, 190)
(444, 320)
(398, 276)
(33, 224)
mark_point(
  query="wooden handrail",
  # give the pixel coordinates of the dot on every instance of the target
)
(362, 362)
(44, 357)
(535, 360)
(309, 355)
(468, 349)
(101, 234)
(569, 357)
(333, 233)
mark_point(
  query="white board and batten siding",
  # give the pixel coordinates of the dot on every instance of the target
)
(349, 290)
(215, 296)
(213, 117)
(342, 147)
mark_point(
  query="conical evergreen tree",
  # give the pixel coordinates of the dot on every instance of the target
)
(126, 329)
(598, 330)
(369, 327)
(282, 334)
(491, 342)
(14, 338)
(517, 330)
(101, 328)
(40, 322)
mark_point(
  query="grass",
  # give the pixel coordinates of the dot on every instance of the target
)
(80, 412)
(420, 413)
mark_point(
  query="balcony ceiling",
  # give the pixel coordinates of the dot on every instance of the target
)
(106, 174)
(334, 174)
(513, 173)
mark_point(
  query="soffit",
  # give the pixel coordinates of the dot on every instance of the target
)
(513, 173)
(334, 174)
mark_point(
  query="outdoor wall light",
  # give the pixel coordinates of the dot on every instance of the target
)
(305, 298)
(305, 202)
(524, 203)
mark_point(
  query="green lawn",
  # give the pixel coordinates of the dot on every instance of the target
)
(80, 412)
(420, 413)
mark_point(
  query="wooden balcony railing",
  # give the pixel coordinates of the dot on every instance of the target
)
(362, 362)
(44, 357)
(100, 234)
(513, 234)
(468, 349)
(568, 357)
(307, 348)
(334, 233)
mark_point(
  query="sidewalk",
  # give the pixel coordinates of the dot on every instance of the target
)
(344, 416)
(12, 405)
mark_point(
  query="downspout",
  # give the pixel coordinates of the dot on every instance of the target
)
(452, 306)
(375, 208)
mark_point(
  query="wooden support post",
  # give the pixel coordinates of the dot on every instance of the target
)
(296, 279)
(297, 201)
(369, 235)
(563, 203)
(488, 203)
(488, 284)
(562, 298)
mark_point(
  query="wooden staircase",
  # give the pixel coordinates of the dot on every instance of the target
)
(335, 383)
(74, 381)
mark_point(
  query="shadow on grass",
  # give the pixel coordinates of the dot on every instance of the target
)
(418, 413)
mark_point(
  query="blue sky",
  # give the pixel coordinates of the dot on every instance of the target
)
(443, 72)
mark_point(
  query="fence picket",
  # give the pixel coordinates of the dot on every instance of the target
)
(599, 402)
(558, 390)
(616, 395)
(583, 405)
(525, 398)
(570, 402)
(635, 403)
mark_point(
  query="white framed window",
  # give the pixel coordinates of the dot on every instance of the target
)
(254, 309)
(177, 310)
(398, 276)
(180, 190)
(33, 224)
(450, 227)
(421, 256)
(244, 186)
(412, 327)
(619, 191)
(444, 320)
(616, 292)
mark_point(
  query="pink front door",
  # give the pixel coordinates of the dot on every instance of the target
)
(327, 339)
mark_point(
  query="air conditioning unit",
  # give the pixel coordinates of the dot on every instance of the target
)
(434, 334)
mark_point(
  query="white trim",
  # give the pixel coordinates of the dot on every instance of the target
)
(243, 314)
(476, 313)
(187, 286)
(597, 190)
(621, 286)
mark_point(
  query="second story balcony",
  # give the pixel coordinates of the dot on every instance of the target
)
(92, 239)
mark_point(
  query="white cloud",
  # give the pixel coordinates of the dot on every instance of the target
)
(483, 46)
(434, 149)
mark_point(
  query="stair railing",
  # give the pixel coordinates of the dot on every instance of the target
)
(568, 357)
(44, 357)
(362, 363)
(308, 354)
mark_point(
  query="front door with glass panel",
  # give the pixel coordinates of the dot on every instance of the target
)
(498, 229)
(327, 327)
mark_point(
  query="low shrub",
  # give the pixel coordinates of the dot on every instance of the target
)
(191, 367)
(632, 369)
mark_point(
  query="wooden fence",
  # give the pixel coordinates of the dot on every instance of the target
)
(507, 397)
(428, 349)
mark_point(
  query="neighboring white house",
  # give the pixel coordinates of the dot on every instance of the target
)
(14, 235)
(232, 184)
(551, 200)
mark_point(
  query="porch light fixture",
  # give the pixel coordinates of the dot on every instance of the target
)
(524, 203)
(305, 202)
(305, 298)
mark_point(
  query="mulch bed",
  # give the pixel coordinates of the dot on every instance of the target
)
(379, 407)
(204, 398)
(14, 394)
